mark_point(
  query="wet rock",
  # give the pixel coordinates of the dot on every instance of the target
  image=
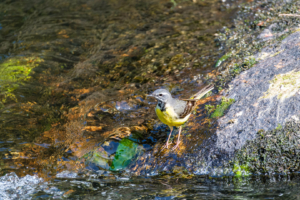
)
(271, 32)
(266, 96)
(67, 174)
(263, 97)
(123, 106)
(266, 35)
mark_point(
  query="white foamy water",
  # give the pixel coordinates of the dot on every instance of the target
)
(13, 187)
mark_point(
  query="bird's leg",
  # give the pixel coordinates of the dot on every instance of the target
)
(167, 144)
(178, 140)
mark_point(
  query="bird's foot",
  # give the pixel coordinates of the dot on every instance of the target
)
(166, 146)
(176, 146)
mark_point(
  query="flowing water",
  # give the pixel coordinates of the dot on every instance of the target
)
(74, 76)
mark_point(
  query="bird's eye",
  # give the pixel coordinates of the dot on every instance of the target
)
(160, 94)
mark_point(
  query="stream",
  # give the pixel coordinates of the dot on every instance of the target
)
(74, 112)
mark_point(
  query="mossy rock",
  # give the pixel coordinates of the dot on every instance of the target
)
(275, 151)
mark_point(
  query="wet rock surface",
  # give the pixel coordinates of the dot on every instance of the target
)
(259, 105)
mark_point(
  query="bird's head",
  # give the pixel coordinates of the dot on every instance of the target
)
(161, 95)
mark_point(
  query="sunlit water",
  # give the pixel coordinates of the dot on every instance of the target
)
(73, 82)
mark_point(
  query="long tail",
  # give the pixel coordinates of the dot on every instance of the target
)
(203, 91)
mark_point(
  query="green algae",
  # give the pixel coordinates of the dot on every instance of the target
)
(13, 72)
(278, 127)
(222, 59)
(210, 108)
(218, 111)
(241, 170)
(250, 62)
(126, 152)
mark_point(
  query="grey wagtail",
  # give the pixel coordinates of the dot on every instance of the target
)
(175, 112)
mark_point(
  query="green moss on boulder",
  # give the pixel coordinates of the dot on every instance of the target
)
(275, 151)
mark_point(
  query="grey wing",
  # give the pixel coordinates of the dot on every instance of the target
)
(183, 108)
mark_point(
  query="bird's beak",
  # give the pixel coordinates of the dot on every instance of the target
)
(150, 95)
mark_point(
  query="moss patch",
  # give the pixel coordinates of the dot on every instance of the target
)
(219, 110)
(284, 85)
(222, 59)
(275, 151)
(241, 170)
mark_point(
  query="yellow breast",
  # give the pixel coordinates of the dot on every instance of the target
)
(169, 117)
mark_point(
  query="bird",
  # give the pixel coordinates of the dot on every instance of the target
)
(175, 112)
